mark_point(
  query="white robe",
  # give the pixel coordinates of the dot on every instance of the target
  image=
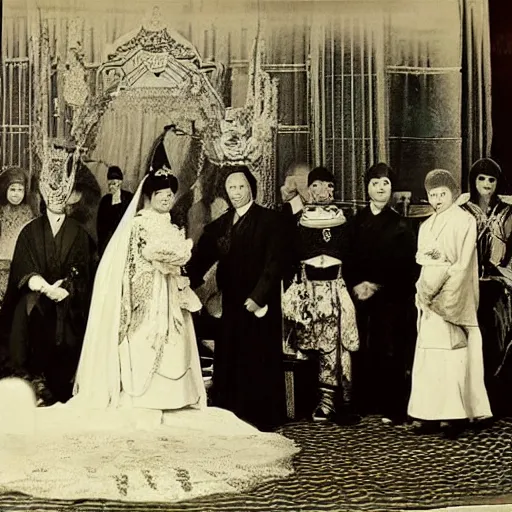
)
(448, 372)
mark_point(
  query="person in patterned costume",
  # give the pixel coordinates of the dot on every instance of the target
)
(325, 320)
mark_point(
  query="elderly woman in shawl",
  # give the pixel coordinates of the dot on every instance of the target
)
(494, 225)
(448, 374)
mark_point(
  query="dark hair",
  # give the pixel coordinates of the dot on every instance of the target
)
(380, 170)
(488, 167)
(159, 181)
(243, 169)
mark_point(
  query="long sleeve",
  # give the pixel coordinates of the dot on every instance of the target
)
(275, 256)
(204, 255)
(101, 223)
(457, 299)
(402, 270)
(291, 245)
(466, 237)
(349, 254)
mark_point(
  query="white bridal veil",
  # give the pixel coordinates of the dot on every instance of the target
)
(97, 383)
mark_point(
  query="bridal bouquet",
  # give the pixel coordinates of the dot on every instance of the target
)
(164, 242)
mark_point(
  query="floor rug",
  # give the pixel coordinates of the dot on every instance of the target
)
(370, 466)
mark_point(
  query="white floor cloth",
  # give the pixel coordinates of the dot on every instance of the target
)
(134, 455)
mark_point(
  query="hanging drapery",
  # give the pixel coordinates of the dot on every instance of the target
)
(286, 32)
(425, 92)
(348, 95)
(476, 83)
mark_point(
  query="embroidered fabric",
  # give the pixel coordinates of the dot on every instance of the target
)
(12, 221)
(100, 446)
(193, 454)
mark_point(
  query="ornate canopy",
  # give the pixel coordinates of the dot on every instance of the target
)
(157, 69)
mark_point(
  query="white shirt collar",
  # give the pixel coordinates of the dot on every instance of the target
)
(56, 221)
(244, 209)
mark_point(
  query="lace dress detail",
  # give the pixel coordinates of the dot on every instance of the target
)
(156, 329)
(192, 454)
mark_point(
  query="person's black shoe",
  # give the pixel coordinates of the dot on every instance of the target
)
(325, 410)
(348, 418)
(426, 428)
(454, 429)
(482, 424)
(323, 414)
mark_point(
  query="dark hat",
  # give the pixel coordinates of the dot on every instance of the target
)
(320, 174)
(114, 173)
(12, 175)
(243, 169)
(379, 170)
(441, 178)
(488, 167)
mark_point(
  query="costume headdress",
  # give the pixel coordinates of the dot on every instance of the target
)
(441, 178)
(57, 177)
(320, 174)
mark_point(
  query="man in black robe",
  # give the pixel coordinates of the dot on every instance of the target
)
(248, 376)
(112, 207)
(47, 300)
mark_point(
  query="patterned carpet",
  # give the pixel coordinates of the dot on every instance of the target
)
(370, 466)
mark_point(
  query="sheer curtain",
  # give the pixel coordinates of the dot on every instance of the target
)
(349, 95)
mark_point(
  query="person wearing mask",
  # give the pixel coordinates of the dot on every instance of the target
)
(247, 242)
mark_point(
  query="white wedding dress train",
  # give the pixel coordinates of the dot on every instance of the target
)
(105, 445)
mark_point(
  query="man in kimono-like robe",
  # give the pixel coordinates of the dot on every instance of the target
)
(246, 241)
(47, 299)
(448, 372)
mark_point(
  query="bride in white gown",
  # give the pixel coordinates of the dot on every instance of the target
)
(137, 427)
